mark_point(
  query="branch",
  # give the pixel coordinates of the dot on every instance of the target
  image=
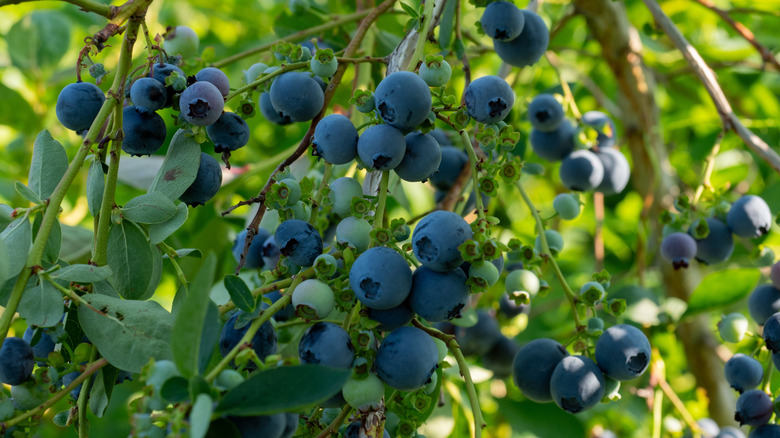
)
(707, 78)
(85, 5)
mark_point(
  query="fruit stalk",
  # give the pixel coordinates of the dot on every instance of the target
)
(321, 192)
(382, 199)
(83, 422)
(473, 161)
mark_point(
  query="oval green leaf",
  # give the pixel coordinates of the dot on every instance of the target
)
(179, 168)
(83, 273)
(191, 319)
(17, 238)
(239, 293)
(41, 303)
(149, 208)
(161, 231)
(95, 187)
(49, 164)
(131, 260)
(38, 40)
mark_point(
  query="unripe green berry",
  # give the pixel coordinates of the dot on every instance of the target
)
(732, 327)
(354, 232)
(364, 393)
(436, 74)
(595, 326)
(486, 271)
(313, 299)
(522, 284)
(567, 206)
(592, 293)
(228, 379)
(554, 241)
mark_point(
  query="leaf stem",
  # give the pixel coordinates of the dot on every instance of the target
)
(172, 257)
(474, 161)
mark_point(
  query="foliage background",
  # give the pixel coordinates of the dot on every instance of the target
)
(33, 69)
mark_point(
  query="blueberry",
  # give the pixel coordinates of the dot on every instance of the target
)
(480, 337)
(576, 384)
(287, 312)
(733, 432)
(182, 40)
(772, 333)
(353, 431)
(335, 139)
(16, 361)
(313, 299)
(581, 171)
(592, 293)
(78, 104)
(623, 352)
(148, 93)
(545, 112)
(324, 69)
(489, 99)
(270, 113)
(603, 125)
(438, 296)
(326, 344)
(354, 232)
(484, 273)
(144, 131)
(554, 242)
(264, 341)
(406, 359)
(421, 158)
(403, 100)
(391, 319)
(297, 95)
(380, 278)
(206, 184)
(365, 392)
(28, 395)
(775, 274)
(260, 426)
(42, 347)
(749, 217)
(436, 238)
(554, 145)
(502, 21)
(436, 74)
(529, 46)
(254, 71)
(498, 263)
(709, 428)
(228, 379)
(216, 77)
(717, 246)
(764, 301)
(271, 253)
(342, 191)
(732, 327)
(567, 206)
(678, 249)
(511, 309)
(616, 171)
(743, 372)
(754, 408)
(500, 357)
(441, 136)
(67, 379)
(522, 284)
(452, 161)
(229, 132)
(290, 426)
(381, 147)
(201, 103)
(160, 72)
(533, 368)
(299, 241)
(765, 431)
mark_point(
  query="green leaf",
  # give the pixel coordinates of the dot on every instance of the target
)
(5, 268)
(409, 10)
(149, 208)
(26, 193)
(41, 303)
(127, 333)
(49, 164)
(95, 187)
(200, 416)
(102, 387)
(288, 388)
(179, 168)
(157, 266)
(186, 252)
(239, 293)
(76, 243)
(176, 389)
(83, 273)
(51, 252)
(722, 288)
(17, 238)
(131, 260)
(446, 25)
(38, 40)
(191, 319)
(16, 111)
(161, 231)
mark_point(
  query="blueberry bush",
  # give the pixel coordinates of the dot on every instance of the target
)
(395, 218)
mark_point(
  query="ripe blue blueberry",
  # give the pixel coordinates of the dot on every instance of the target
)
(335, 139)
(453, 159)
(502, 21)
(603, 125)
(406, 359)
(297, 95)
(229, 132)
(272, 114)
(489, 99)
(438, 296)
(144, 131)
(380, 278)
(148, 93)
(16, 361)
(529, 46)
(290, 426)
(733, 432)
(42, 347)
(581, 171)
(501, 357)
(623, 352)
(616, 171)
(772, 333)
(286, 313)
(342, 191)
(754, 408)
(764, 301)
(678, 249)
(216, 77)
(545, 112)
(441, 136)
(201, 103)
(534, 365)
(160, 72)
(511, 309)
(260, 426)
(765, 431)
(480, 337)
(436, 238)
(743, 372)
(717, 246)
(206, 184)
(391, 319)
(749, 217)
(403, 100)
(576, 384)
(421, 158)
(78, 104)
(554, 145)
(299, 241)
(326, 344)
(264, 341)
(381, 147)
